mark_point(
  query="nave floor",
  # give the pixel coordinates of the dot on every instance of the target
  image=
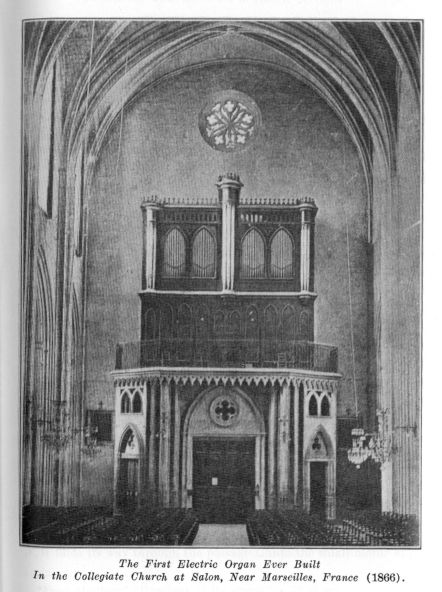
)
(221, 535)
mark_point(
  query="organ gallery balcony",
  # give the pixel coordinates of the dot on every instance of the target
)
(232, 352)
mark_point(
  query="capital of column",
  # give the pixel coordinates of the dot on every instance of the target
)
(151, 204)
(307, 204)
(229, 187)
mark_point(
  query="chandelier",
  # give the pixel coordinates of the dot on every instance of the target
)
(55, 433)
(376, 446)
(58, 433)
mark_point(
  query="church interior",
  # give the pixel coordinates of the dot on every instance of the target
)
(221, 281)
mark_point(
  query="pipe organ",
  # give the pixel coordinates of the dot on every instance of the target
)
(226, 372)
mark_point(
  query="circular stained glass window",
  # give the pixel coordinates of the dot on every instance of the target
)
(229, 121)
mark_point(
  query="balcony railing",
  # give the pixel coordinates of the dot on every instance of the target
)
(227, 352)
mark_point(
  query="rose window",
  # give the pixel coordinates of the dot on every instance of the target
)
(224, 411)
(229, 121)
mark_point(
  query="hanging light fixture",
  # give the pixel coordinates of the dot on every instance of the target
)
(376, 446)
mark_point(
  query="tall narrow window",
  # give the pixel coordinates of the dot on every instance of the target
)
(281, 255)
(203, 254)
(325, 406)
(313, 405)
(174, 254)
(136, 403)
(125, 403)
(46, 145)
(252, 255)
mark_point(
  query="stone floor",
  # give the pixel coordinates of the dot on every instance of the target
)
(221, 535)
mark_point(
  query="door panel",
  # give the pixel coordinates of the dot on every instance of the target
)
(223, 478)
(318, 488)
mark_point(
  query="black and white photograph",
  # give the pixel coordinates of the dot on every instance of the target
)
(221, 280)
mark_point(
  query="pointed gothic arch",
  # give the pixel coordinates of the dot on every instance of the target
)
(174, 253)
(129, 469)
(199, 422)
(252, 254)
(203, 254)
(281, 254)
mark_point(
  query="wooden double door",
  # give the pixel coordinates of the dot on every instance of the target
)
(223, 479)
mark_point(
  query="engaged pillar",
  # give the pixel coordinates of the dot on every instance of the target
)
(308, 212)
(283, 444)
(229, 187)
(176, 447)
(271, 449)
(150, 209)
(164, 446)
(296, 444)
(151, 464)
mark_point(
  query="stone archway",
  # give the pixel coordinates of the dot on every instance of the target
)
(228, 416)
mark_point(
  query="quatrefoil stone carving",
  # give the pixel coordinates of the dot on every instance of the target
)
(224, 411)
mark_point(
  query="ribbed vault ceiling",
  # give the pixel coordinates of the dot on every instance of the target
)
(351, 65)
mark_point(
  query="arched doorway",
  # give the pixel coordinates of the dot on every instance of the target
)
(223, 456)
(319, 476)
(128, 483)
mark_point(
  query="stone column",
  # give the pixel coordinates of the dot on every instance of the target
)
(271, 449)
(176, 447)
(229, 187)
(164, 445)
(262, 482)
(257, 491)
(150, 209)
(295, 444)
(308, 211)
(283, 444)
(151, 465)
